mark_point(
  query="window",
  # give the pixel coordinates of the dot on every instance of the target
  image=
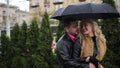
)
(4, 13)
(4, 16)
(82, 0)
(34, 3)
(47, 3)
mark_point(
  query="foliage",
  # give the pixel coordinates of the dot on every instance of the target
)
(4, 51)
(46, 40)
(111, 2)
(111, 30)
(60, 30)
(28, 47)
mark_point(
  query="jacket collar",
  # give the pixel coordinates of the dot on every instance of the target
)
(72, 37)
(66, 36)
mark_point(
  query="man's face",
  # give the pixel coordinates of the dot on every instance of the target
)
(72, 29)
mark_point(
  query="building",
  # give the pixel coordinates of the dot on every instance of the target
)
(15, 15)
(38, 7)
(117, 5)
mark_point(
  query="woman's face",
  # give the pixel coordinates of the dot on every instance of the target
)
(87, 28)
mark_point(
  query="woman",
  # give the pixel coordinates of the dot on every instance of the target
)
(92, 44)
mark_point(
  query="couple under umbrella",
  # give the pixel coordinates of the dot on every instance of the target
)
(84, 47)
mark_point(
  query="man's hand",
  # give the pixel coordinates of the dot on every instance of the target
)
(91, 65)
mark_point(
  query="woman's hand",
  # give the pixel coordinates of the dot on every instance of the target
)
(87, 59)
(94, 61)
(91, 65)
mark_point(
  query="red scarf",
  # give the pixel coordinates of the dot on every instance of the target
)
(72, 37)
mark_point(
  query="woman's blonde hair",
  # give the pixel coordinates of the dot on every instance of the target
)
(87, 43)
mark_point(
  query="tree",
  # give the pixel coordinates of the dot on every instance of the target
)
(111, 30)
(23, 37)
(45, 41)
(33, 58)
(60, 30)
(4, 52)
(17, 60)
(15, 36)
(21, 59)
(111, 2)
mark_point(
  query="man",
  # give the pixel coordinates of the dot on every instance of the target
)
(65, 46)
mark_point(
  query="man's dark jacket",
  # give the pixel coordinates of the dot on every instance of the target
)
(64, 52)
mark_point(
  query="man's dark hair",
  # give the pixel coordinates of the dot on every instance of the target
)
(67, 22)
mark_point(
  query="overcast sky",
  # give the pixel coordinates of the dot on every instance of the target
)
(22, 4)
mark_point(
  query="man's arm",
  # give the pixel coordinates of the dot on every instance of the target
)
(76, 55)
(63, 52)
(77, 52)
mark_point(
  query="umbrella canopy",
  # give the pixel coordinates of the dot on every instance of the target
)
(87, 10)
(58, 13)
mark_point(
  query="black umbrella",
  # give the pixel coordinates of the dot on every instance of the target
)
(58, 13)
(87, 10)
